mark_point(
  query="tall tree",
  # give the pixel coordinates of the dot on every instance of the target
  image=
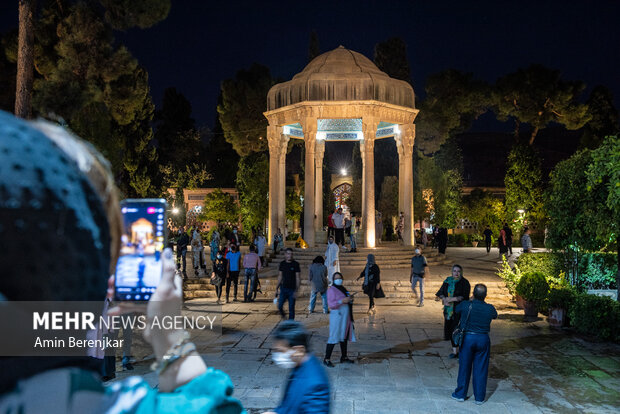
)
(25, 59)
(454, 100)
(484, 209)
(604, 121)
(221, 157)
(388, 203)
(523, 184)
(244, 99)
(313, 49)
(391, 58)
(219, 207)
(253, 186)
(537, 96)
(125, 14)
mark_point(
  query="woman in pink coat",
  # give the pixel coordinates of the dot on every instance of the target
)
(341, 328)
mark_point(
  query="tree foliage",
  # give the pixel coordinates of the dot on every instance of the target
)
(253, 186)
(604, 121)
(388, 202)
(482, 208)
(219, 207)
(294, 207)
(244, 99)
(125, 14)
(538, 96)
(454, 100)
(391, 58)
(446, 192)
(523, 183)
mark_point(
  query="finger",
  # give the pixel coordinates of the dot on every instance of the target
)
(110, 291)
(168, 270)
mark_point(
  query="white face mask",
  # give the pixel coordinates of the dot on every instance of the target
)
(417, 251)
(338, 282)
(283, 359)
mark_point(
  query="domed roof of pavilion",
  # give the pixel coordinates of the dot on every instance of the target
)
(341, 75)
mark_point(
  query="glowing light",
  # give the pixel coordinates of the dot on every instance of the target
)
(175, 211)
(343, 171)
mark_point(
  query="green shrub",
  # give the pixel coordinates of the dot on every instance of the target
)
(561, 298)
(596, 315)
(533, 287)
(598, 270)
(550, 264)
(292, 236)
(509, 275)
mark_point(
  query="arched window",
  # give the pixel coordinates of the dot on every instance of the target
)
(342, 195)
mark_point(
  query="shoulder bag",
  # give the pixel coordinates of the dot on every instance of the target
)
(459, 332)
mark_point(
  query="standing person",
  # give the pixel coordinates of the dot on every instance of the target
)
(372, 282)
(182, 244)
(197, 251)
(330, 225)
(508, 231)
(424, 238)
(215, 247)
(502, 244)
(378, 227)
(347, 229)
(338, 219)
(435, 237)
(488, 237)
(234, 259)
(353, 234)
(332, 258)
(234, 237)
(288, 283)
(442, 240)
(218, 275)
(400, 227)
(454, 290)
(419, 266)
(476, 348)
(307, 387)
(251, 264)
(526, 240)
(261, 244)
(277, 238)
(341, 328)
(317, 276)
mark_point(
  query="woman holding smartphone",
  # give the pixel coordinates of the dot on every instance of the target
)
(341, 328)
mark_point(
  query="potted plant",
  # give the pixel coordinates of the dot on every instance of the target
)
(475, 239)
(560, 301)
(534, 289)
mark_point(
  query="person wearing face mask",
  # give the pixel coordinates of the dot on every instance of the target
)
(235, 237)
(454, 290)
(419, 267)
(307, 389)
(341, 328)
(218, 276)
(234, 260)
(63, 189)
(332, 259)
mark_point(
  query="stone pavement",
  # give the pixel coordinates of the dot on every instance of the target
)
(402, 363)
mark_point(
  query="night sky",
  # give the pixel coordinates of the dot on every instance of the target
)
(203, 42)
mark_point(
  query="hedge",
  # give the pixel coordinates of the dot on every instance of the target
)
(597, 316)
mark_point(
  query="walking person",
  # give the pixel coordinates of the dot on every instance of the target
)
(424, 238)
(218, 275)
(317, 276)
(182, 244)
(251, 266)
(347, 229)
(400, 227)
(215, 248)
(372, 283)
(476, 347)
(330, 225)
(526, 240)
(234, 259)
(508, 231)
(234, 237)
(378, 227)
(332, 258)
(288, 283)
(353, 236)
(502, 244)
(277, 239)
(197, 252)
(442, 240)
(435, 237)
(454, 290)
(341, 329)
(261, 243)
(338, 219)
(488, 237)
(419, 266)
(307, 387)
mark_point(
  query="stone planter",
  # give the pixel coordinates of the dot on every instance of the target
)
(474, 244)
(530, 309)
(520, 302)
(557, 317)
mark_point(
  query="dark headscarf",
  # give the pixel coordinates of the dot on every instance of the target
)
(370, 261)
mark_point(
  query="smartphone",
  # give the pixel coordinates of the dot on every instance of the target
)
(139, 267)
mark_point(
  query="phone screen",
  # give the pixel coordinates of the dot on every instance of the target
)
(139, 267)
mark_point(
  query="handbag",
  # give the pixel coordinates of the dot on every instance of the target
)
(459, 332)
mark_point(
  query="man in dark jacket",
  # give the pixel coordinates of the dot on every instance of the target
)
(508, 231)
(476, 316)
(307, 388)
(182, 244)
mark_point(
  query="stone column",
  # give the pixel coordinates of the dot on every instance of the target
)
(310, 128)
(318, 193)
(282, 181)
(273, 140)
(407, 141)
(401, 172)
(369, 126)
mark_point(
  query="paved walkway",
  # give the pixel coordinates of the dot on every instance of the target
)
(402, 363)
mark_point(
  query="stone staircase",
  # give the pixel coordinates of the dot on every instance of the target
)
(391, 256)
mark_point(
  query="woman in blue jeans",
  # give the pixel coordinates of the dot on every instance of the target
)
(476, 316)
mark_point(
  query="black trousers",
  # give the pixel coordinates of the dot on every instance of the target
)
(372, 288)
(330, 348)
(339, 236)
(233, 278)
(488, 242)
(449, 327)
